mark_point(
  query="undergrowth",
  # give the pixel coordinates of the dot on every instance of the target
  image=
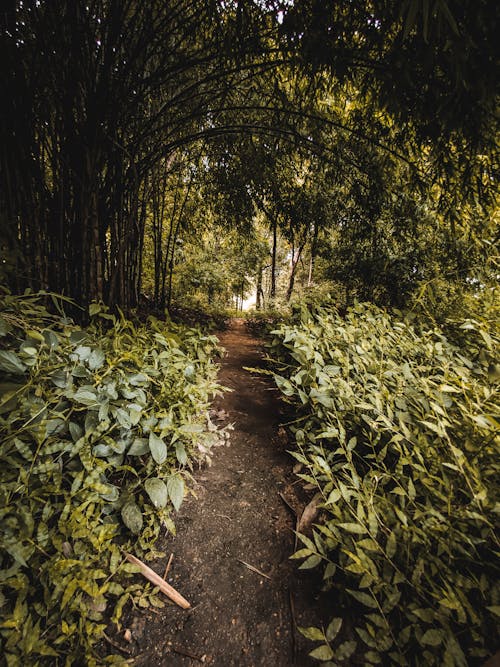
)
(99, 430)
(398, 429)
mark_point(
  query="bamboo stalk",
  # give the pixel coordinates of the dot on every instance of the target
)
(155, 579)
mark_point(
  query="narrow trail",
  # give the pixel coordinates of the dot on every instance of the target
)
(238, 617)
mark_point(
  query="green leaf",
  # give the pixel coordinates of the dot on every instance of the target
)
(391, 545)
(69, 592)
(175, 487)
(353, 528)
(157, 491)
(96, 359)
(10, 363)
(132, 517)
(191, 428)
(78, 336)
(322, 653)
(180, 452)
(86, 396)
(364, 598)
(432, 638)
(333, 629)
(312, 561)
(495, 609)
(51, 339)
(334, 497)
(314, 634)
(5, 327)
(94, 309)
(158, 448)
(345, 650)
(139, 447)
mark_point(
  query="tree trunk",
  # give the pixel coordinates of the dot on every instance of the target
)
(295, 262)
(273, 259)
(314, 245)
(259, 295)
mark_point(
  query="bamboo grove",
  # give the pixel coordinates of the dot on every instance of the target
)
(111, 107)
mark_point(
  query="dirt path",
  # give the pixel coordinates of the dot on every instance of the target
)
(239, 617)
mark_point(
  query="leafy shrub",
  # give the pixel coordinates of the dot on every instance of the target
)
(208, 318)
(262, 322)
(99, 428)
(398, 429)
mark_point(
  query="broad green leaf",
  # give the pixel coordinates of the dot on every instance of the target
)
(333, 629)
(432, 637)
(353, 528)
(10, 363)
(51, 339)
(158, 448)
(175, 487)
(132, 517)
(157, 491)
(96, 359)
(75, 431)
(364, 598)
(78, 336)
(315, 634)
(312, 561)
(181, 454)
(391, 545)
(345, 650)
(5, 327)
(495, 609)
(86, 396)
(94, 309)
(69, 592)
(322, 653)
(191, 428)
(139, 447)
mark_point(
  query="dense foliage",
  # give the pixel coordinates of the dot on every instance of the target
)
(397, 428)
(99, 430)
(112, 113)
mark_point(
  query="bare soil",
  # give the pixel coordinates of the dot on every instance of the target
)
(238, 616)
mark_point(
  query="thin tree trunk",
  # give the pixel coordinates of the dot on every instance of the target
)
(259, 296)
(295, 262)
(314, 245)
(273, 259)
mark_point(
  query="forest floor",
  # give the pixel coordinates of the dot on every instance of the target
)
(239, 617)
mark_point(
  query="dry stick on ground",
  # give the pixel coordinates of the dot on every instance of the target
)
(116, 645)
(187, 654)
(155, 579)
(290, 507)
(254, 569)
(167, 569)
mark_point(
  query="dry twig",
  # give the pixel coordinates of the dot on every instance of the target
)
(167, 569)
(187, 654)
(254, 569)
(292, 509)
(155, 579)
(116, 645)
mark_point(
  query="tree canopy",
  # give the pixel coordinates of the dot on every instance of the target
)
(116, 115)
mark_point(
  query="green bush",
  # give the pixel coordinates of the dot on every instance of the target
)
(398, 428)
(99, 428)
(262, 322)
